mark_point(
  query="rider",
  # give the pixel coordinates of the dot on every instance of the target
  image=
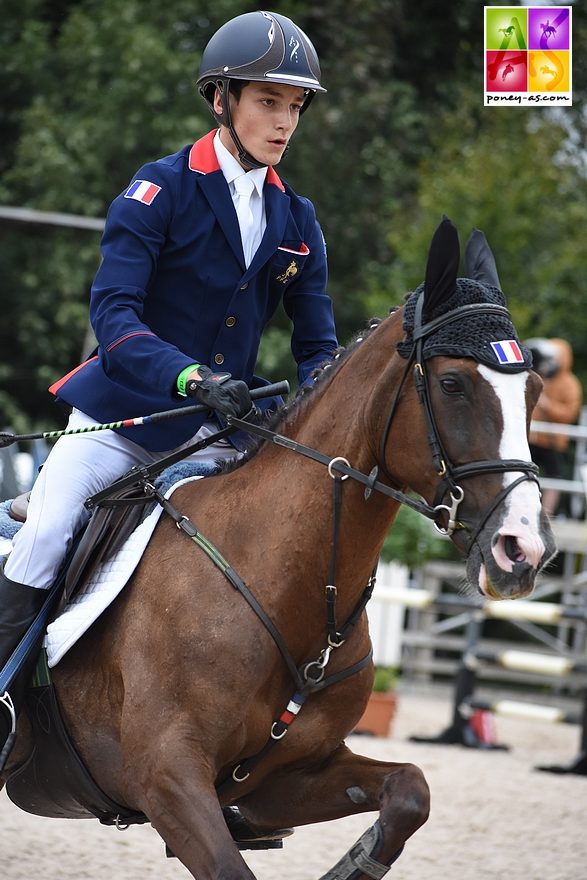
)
(189, 279)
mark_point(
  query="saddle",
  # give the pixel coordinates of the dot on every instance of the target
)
(111, 523)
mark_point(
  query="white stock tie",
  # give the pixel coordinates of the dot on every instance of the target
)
(244, 187)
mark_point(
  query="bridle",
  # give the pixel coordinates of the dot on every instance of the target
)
(450, 475)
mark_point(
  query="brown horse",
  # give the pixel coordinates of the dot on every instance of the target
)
(173, 694)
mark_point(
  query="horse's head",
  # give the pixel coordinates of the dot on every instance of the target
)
(477, 390)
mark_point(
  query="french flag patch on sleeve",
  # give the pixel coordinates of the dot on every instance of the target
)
(142, 191)
(508, 352)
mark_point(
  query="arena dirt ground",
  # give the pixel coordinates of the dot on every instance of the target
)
(493, 816)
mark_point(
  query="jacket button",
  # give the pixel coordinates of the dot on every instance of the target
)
(245, 285)
(219, 359)
(230, 321)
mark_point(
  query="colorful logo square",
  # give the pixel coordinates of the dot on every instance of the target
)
(548, 72)
(506, 27)
(507, 71)
(549, 27)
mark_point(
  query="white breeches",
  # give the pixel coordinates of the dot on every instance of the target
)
(78, 466)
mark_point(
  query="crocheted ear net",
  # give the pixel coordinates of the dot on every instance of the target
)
(469, 336)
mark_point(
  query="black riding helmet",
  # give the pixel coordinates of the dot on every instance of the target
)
(258, 47)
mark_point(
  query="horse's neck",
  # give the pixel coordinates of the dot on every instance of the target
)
(346, 413)
(343, 416)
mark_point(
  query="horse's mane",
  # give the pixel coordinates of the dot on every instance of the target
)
(290, 410)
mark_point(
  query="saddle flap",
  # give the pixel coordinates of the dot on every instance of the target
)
(109, 527)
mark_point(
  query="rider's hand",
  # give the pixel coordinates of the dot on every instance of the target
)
(228, 396)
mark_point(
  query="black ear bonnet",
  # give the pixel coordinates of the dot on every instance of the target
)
(488, 338)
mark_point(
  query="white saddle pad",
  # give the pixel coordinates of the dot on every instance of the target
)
(104, 586)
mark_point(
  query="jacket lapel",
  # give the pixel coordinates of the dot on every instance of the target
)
(216, 190)
(277, 212)
(212, 182)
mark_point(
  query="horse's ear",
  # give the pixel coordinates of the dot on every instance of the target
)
(479, 261)
(443, 265)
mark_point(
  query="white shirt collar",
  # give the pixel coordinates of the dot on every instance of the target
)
(231, 168)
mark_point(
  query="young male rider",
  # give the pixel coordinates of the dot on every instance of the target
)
(190, 276)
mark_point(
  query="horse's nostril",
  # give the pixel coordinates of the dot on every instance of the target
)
(513, 550)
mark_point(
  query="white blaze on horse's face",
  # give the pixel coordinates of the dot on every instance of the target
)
(521, 527)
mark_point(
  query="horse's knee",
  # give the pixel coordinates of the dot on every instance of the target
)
(406, 793)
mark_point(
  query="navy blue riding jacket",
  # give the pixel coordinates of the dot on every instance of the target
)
(173, 290)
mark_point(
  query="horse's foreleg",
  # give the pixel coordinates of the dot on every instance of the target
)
(344, 785)
(184, 810)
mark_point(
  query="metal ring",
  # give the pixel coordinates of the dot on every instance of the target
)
(306, 672)
(337, 641)
(119, 825)
(239, 779)
(273, 736)
(332, 461)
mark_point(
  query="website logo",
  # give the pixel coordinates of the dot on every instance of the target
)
(528, 56)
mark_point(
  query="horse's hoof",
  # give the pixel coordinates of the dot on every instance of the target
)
(246, 837)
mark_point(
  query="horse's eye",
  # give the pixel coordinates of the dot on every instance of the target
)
(450, 385)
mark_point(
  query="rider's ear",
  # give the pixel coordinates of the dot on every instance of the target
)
(443, 265)
(479, 261)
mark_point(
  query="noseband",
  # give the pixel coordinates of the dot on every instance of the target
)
(450, 474)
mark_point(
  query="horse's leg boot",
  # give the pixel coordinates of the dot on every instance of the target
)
(19, 605)
(359, 860)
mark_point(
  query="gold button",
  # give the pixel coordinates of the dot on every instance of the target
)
(219, 359)
(230, 321)
(245, 285)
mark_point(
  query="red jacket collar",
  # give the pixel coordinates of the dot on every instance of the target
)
(203, 160)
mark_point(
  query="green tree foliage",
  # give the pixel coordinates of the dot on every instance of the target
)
(92, 90)
(509, 176)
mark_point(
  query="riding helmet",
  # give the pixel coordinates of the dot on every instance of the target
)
(258, 47)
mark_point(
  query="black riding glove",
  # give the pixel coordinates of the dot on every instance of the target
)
(218, 391)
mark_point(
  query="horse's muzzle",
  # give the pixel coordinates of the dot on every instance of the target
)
(508, 569)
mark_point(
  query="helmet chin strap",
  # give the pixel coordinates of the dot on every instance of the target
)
(244, 156)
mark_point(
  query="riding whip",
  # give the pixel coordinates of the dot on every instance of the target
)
(256, 393)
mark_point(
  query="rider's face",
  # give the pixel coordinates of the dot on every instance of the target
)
(265, 117)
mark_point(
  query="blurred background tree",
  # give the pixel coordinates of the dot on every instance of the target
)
(92, 90)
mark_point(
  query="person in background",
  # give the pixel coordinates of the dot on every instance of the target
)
(560, 402)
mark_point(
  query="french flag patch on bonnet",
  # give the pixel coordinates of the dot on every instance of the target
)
(142, 191)
(508, 352)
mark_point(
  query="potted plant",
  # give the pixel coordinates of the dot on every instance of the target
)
(379, 713)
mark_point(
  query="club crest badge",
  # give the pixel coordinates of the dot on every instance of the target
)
(291, 270)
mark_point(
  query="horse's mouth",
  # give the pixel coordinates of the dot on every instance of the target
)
(508, 568)
(497, 584)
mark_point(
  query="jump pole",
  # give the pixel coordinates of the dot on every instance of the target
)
(542, 613)
(530, 661)
(549, 714)
(459, 731)
(522, 710)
